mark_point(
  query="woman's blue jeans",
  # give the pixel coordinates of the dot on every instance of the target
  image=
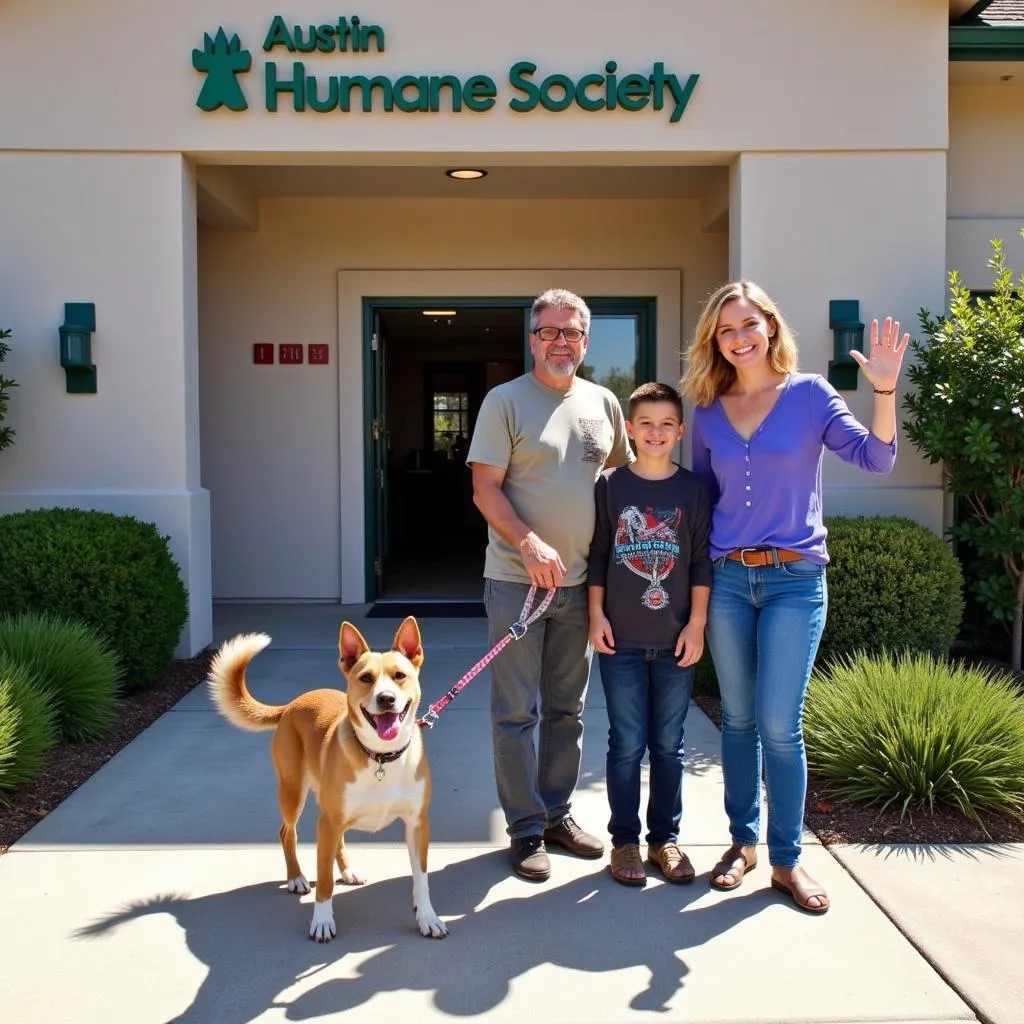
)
(647, 695)
(763, 630)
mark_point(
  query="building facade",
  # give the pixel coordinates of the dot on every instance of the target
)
(297, 310)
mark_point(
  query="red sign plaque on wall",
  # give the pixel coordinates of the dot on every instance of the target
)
(319, 355)
(289, 354)
(262, 353)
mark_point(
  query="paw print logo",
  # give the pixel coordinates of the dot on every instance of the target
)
(222, 59)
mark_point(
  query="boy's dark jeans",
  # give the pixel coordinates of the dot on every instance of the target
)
(647, 695)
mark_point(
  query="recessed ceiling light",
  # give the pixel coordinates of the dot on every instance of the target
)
(439, 312)
(466, 173)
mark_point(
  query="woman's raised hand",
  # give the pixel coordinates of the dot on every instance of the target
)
(882, 364)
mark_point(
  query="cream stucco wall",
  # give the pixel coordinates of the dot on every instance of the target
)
(272, 436)
(864, 226)
(832, 116)
(117, 230)
(986, 178)
(827, 74)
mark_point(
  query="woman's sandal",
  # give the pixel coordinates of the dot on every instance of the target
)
(733, 865)
(627, 858)
(674, 865)
(802, 890)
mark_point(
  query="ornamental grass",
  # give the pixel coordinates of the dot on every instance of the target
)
(917, 732)
(28, 726)
(73, 664)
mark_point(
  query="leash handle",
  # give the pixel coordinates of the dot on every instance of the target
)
(515, 632)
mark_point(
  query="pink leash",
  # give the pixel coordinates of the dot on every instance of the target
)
(515, 632)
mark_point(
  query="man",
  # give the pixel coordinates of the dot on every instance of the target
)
(539, 444)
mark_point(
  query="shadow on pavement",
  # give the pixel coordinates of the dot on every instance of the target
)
(253, 941)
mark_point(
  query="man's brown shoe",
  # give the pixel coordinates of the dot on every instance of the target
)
(570, 836)
(530, 859)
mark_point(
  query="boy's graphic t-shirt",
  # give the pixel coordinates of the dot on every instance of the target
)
(650, 547)
(647, 543)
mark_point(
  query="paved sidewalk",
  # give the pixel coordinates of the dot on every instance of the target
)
(154, 893)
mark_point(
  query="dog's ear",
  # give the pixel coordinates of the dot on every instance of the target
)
(351, 646)
(407, 641)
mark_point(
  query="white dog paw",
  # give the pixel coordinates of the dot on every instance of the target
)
(298, 884)
(350, 877)
(430, 925)
(322, 928)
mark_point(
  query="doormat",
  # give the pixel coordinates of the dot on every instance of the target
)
(427, 610)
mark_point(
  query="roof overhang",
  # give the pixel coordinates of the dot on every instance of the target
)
(986, 42)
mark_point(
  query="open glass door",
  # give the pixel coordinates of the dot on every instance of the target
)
(621, 351)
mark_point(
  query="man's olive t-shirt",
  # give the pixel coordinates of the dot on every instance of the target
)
(552, 445)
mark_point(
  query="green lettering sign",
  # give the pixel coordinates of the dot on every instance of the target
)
(223, 59)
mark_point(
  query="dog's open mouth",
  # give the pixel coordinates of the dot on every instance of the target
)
(386, 723)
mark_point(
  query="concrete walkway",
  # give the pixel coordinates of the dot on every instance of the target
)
(154, 893)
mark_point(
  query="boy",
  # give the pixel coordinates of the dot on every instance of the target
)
(649, 579)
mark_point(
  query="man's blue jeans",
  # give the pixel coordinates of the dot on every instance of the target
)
(647, 695)
(763, 630)
(539, 679)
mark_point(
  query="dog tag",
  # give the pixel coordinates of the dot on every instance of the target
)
(379, 773)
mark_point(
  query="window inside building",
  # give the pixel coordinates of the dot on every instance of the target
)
(451, 420)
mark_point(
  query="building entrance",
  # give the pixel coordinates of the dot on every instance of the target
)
(432, 362)
(435, 363)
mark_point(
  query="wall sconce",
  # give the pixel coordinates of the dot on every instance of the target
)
(848, 333)
(76, 347)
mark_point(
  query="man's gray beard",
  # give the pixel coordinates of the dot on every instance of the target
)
(562, 368)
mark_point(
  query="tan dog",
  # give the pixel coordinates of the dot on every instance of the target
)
(360, 752)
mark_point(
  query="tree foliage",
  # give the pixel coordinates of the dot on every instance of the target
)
(967, 412)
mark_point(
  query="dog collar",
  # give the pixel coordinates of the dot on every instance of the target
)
(381, 758)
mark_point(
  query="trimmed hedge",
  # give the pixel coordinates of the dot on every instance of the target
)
(74, 664)
(893, 585)
(113, 573)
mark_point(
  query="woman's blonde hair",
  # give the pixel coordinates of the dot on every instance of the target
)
(708, 372)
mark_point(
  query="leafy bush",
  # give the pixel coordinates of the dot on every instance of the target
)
(113, 573)
(892, 585)
(76, 666)
(28, 727)
(967, 413)
(916, 731)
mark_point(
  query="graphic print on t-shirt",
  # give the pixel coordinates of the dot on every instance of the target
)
(591, 434)
(647, 543)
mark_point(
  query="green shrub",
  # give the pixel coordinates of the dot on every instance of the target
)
(917, 731)
(892, 585)
(28, 724)
(965, 414)
(68, 659)
(113, 573)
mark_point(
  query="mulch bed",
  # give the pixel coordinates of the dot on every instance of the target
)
(67, 767)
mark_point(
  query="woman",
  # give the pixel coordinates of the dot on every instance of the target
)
(759, 432)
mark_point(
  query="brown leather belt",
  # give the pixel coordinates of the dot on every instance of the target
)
(757, 558)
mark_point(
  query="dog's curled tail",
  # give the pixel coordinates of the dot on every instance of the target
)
(227, 687)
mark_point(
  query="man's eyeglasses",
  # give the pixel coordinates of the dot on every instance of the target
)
(571, 334)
